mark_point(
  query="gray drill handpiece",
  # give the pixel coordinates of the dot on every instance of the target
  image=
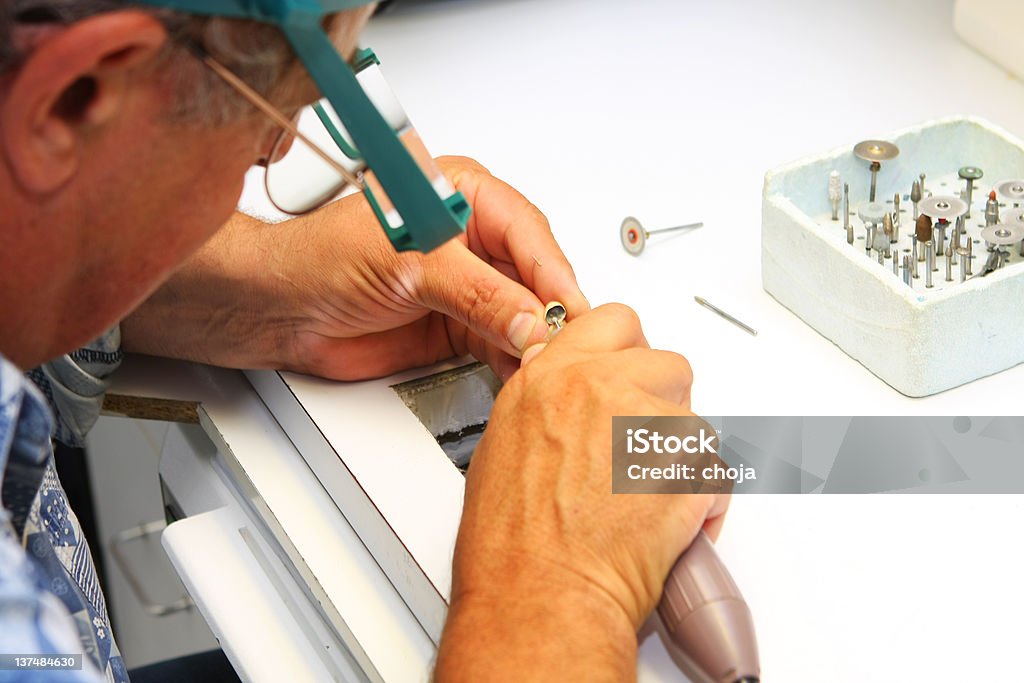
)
(707, 619)
(703, 611)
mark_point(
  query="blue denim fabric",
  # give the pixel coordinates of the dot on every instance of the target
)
(50, 600)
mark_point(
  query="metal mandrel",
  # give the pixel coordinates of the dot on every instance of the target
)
(835, 186)
(846, 212)
(924, 234)
(875, 152)
(711, 307)
(939, 235)
(949, 264)
(915, 250)
(970, 174)
(907, 260)
(970, 256)
(929, 250)
(964, 258)
(991, 210)
(634, 236)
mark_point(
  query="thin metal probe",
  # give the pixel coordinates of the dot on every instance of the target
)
(678, 227)
(711, 307)
(846, 213)
(929, 250)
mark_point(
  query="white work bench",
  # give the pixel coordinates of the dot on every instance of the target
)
(672, 112)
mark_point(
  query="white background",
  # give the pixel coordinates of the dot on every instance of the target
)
(672, 111)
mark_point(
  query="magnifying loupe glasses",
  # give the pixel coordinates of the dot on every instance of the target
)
(304, 173)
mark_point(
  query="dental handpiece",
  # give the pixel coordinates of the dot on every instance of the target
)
(704, 614)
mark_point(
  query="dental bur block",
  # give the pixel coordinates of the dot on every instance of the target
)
(920, 340)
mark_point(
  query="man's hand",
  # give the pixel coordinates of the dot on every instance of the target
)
(553, 573)
(326, 294)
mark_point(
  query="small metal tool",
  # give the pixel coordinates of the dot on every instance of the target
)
(942, 207)
(897, 220)
(965, 257)
(1003, 234)
(939, 235)
(875, 152)
(1012, 190)
(907, 280)
(991, 210)
(955, 239)
(846, 214)
(1019, 219)
(889, 231)
(993, 263)
(634, 235)
(711, 307)
(949, 264)
(872, 214)
(929, 251)
(916, 196)
(915, 249)
(923, 193)
(970, 256)
(970, 174)
(835, 196)
(896, 264)
(923, 234)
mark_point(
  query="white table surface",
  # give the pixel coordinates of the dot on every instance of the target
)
(673, 111)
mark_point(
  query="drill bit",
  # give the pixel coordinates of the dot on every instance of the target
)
(889, 229)
(846, 213)
(924, 234)
(991, 210)
(970, 174)
(896, 220)
(929, 250)
(835, 193)
(916, 196)
(914, 251)
(907, 260)
(708, 305)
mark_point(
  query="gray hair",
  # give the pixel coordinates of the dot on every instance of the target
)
(258, 53)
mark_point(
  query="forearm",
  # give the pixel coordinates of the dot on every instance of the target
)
(226, 306)
(536, 634)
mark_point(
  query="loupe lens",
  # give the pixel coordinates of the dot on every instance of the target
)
(298, 179)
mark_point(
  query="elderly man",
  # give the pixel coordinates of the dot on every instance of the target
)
(125, 134)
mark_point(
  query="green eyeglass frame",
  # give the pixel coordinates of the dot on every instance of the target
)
(428, 221)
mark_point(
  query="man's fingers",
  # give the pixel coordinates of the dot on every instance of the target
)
(506, 227)
(499, 310)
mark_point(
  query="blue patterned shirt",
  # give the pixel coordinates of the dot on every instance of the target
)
(50, 599)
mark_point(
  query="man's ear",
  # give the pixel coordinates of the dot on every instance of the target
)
(74, 80)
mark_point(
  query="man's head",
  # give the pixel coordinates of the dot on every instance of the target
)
(121, 153)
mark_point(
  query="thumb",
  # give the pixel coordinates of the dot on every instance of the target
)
(496, 308)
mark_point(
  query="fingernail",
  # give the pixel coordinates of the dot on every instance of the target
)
(521, 329)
